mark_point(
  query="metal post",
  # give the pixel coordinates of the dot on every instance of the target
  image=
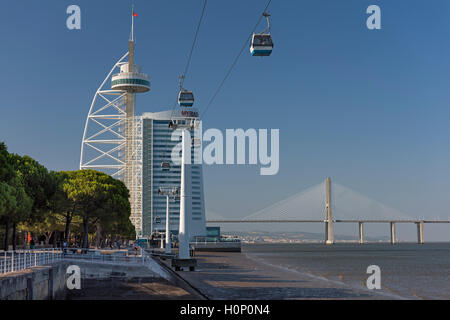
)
(168, 242)
(12, 261)
(393, 238)
(361, 232)
(329, 232)
(185, 204)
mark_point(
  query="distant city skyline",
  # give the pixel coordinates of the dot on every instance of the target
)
(368, 108)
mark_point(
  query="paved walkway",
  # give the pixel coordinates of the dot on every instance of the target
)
(129, 289)
(229, 275)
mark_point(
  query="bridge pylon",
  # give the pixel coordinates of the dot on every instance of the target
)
(329, 232)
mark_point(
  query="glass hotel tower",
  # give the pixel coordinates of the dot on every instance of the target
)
(157, 148)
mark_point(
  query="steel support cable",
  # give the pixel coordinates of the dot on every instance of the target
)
(234, 62)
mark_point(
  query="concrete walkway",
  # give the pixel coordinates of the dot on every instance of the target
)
(120, 282)
(227, 275)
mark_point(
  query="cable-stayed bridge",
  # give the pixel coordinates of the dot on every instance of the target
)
(329, 204)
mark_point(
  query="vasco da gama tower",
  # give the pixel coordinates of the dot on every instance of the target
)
(137, 149)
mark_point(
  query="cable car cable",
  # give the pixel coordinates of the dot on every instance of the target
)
(188, 63)
(194, 42)
(234, 63)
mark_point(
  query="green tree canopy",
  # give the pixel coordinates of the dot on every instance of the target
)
(38, 183)
(7, 174)
(98, 198)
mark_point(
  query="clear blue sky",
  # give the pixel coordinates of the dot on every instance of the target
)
(368, 108)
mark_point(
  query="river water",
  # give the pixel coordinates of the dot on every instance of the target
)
(408, 270)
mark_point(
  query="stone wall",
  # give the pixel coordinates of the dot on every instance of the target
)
(36, 283)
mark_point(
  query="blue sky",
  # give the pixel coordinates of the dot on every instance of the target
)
(368, 108)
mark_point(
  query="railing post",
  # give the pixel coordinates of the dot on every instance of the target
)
(12, 261)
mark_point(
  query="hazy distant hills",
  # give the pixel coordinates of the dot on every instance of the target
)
(294, 236)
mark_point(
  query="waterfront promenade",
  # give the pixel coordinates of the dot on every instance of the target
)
(230, 275)
(219, 276)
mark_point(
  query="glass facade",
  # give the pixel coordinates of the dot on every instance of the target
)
(157, 148)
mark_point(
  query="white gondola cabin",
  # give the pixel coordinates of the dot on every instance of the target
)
(262, 44)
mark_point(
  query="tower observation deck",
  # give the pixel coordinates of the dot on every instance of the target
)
(134, 82)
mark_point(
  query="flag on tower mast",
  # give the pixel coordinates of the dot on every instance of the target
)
(133, 14)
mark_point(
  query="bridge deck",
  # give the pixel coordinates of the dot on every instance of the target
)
(321, 221)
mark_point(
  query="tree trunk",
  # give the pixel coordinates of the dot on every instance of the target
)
(14, 235)
(102, 244)
(67, 229)
(6, 235)
(24, 239)
(55, 233)
(85, 233)
(47, 237)
(98, 235)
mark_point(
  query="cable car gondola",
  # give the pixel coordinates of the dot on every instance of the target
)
(262, 44)
(185, 98)
(165, 165)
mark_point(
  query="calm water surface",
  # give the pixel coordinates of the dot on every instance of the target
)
(408, 270)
